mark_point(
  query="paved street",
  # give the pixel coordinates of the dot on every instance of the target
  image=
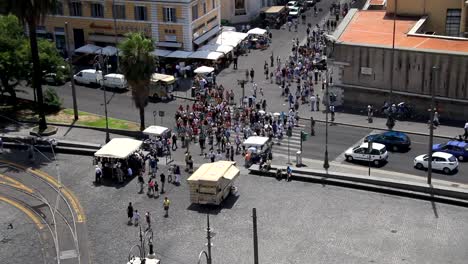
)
(298, 222)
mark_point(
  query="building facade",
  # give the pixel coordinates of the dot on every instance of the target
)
(175, 24)
(243, 11)
(448, 17)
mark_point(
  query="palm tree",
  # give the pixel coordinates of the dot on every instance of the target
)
(32, 13)
(137, 65)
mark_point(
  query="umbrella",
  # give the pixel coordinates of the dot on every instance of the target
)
(276, 114)
(261, 112)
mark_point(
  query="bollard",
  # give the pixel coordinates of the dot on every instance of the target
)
(298, 158)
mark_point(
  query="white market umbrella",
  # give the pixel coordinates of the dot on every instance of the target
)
(204, 69)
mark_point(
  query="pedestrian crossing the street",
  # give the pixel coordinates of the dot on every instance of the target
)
(281, 148)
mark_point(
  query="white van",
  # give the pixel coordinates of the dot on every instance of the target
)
(115, 80)
(89, 76)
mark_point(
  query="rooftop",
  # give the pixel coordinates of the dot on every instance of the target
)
(375, 28)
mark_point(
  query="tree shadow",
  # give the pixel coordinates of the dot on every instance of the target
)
(228, 203)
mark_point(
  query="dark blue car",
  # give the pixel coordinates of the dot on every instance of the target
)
(459, 149)
(393, 140)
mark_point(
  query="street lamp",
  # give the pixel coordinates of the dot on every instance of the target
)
(431, 123)
(242, 84)
(326, 164)
(99, 62)
(209, 235)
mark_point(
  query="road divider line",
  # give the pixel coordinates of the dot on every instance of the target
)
(14, 183)
(75, 204)
(30, 213)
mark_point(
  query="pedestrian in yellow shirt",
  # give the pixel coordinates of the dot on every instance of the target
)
(166, 204)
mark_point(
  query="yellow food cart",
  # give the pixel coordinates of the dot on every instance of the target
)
(161, 86)
(212, 182)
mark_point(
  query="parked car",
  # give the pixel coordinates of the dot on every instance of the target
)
(59, 76)
(393, 140)
(457, 148)
(310, 3)
(377, 154)
(89, 77)
(294, 11)
(440, 161)
(116, 81)
(291, 4)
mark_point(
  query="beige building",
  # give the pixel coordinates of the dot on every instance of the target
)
(445, 17)
(242, 11)
(175, 24)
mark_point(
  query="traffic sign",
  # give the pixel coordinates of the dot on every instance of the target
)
(161, 113)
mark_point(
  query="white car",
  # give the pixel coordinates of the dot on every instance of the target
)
(116, 81)
(377, 154)
(440, 161)
(88, 76)
(291, 4)
(294, 11)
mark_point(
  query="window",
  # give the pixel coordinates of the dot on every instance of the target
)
(58, 10)
(97, 10)
(75, 9)
(140, 13)
(194, 12)
(213, 4)
(169, 14)
(239, 6)
(452, 24)
(204, 7)
(211, 20)
(119, 11)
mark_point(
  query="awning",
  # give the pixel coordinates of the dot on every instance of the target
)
(206, 55)
(155, 130)
(109, 51)
(169, 44)
(257, 31)
(227, 28)
(179, 54)
(213, 172)
(217, 47)
(89, 49)
(160, 52)
(255, 141)
(119, 148)
(230, 38)
(168, 79)
(207, 35)
(104, 38)
(203, 69)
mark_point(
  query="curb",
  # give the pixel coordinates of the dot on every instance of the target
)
(400, 187)
(362, 126)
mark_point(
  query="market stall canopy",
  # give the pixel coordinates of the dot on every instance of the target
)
(155, 130)
(227, 28)
(257, 31)
(230, 38)
(108, 51)
(89, 49)
(214, 171)
(203, 69)
(218, 48)
(160, 52)
(255, 141)
(156, 77)
(119, 148)
(180, 54)
(206, 55)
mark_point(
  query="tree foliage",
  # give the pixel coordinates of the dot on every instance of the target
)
(15, 56)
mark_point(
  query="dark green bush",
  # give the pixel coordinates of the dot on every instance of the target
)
(52, 100)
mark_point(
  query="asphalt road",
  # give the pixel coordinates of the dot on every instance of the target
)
(298, 222)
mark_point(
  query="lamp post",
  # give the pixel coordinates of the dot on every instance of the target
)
(326, 164)
(99, 61)
(242, 84)
(431, 123)
(70, 65)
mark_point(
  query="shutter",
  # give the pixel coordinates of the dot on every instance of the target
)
(136, 12)
(174, 15)
(164, 15)
(146, 13)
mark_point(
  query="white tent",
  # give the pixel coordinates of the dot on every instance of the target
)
(257, 31)
(155, 130)
(108, 51)
(255, 141)
(160, 52)
(206, 55)
(204, 69)
(218, 48)
(230, 38)
(119, 148)
(180, 54)
(89, 48)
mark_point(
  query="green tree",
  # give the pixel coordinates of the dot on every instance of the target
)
(11, 57)
(137, 65)
(33, 12)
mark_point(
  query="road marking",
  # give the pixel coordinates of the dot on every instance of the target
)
(31, 214)
(14, 183)
(340, 158)
(64, 190)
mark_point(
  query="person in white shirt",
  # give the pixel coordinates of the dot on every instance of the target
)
(466, 131)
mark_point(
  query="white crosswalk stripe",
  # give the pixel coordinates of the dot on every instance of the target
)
(281, 147)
